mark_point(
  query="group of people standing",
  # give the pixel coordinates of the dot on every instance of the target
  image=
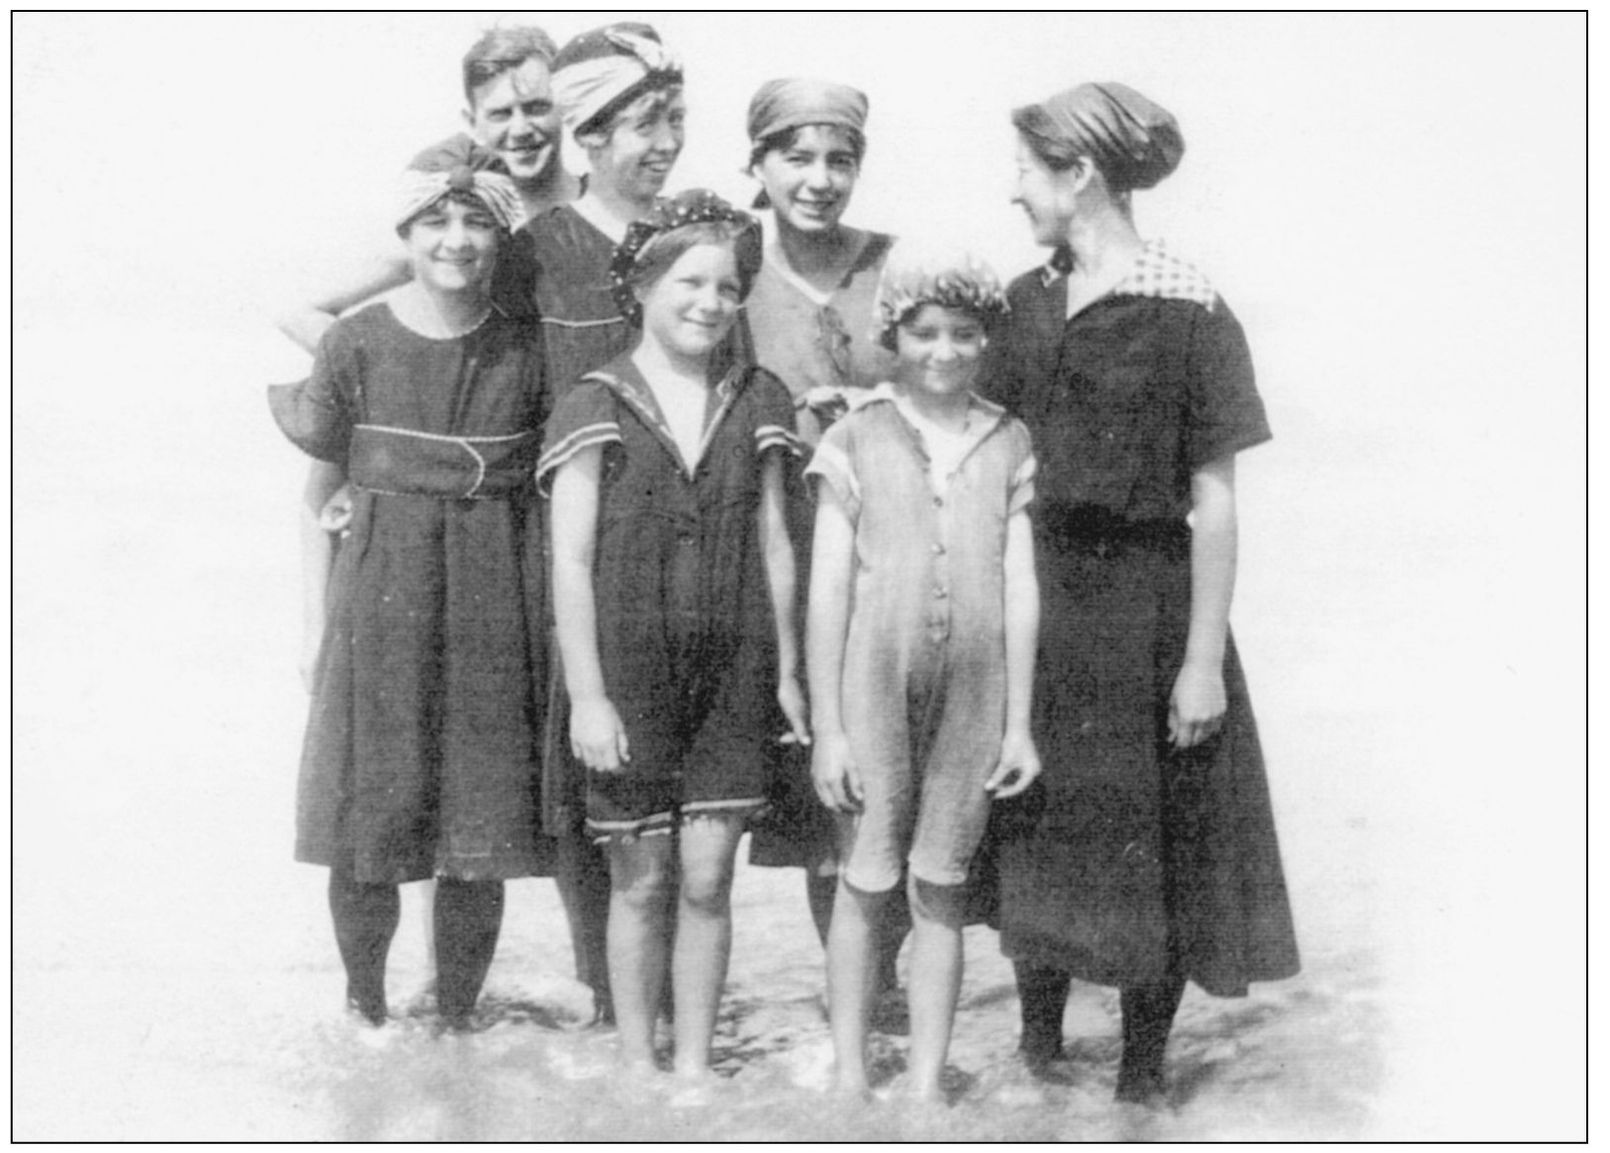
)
(606, 479)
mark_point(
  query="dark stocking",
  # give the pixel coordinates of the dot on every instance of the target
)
(891, 935)
(1148, 1016)
(468, 917)
(583, 880)
(365, 919)
(1042, 996)
(819, 892)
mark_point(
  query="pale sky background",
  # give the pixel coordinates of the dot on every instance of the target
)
(1393, 205)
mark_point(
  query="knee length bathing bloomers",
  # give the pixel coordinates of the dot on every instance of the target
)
(924, 679)
(422, 746)
(1135, 861)
(686, 637)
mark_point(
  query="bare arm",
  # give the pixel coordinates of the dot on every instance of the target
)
(597, 736)
(1020, 762)
(1198, 701)
(323, 480)
(307, 323)
(779, 553)
(838, 782)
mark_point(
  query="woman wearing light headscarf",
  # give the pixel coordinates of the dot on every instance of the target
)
(1148, 857)
(810, 315)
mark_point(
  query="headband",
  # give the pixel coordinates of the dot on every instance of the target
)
(695, 206)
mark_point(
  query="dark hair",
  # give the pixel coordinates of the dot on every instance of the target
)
(501, 49)
(788, 137)
(456, 196)
(1039, 133)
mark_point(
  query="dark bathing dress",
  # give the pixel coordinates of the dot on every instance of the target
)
(582, 330)
(686, 630)
(1131, 863)
(422, 748)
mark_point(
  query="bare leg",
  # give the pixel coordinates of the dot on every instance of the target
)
(703, 935)
(639, 927)
(936, 981)
(851, 981)
(424, 898)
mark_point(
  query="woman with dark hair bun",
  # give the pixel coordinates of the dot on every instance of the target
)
(1147, 857)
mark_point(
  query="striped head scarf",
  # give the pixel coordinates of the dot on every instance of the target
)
(601, 71)
(420, 188)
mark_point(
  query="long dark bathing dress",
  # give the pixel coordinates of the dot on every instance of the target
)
(1131, 862)
(423, 744)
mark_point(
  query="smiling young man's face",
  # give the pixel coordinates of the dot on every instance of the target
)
(514, 115)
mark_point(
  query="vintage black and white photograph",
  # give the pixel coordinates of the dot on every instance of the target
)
(804, 576)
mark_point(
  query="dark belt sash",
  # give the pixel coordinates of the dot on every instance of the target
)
(404, 462)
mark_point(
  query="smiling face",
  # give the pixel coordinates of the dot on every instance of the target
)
(453, 245)
(633, 157)
(811, 178)
(1048, 197)
(939, 350)
(690, 309)
(514, 115)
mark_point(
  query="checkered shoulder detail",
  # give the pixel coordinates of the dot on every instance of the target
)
(1160, 273)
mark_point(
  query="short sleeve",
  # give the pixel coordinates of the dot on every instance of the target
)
(585, 416)
(1225, 413)
(1021, 493)
(832, 463)
(316, 415)
(773, 409)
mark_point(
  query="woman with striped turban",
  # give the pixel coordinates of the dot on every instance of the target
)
(1147, 858)
(420, 758)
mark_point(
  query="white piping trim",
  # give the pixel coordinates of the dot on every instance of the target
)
(442, 437)
(582, 323)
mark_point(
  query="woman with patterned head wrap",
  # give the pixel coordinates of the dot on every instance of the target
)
(619, 90)
(1148, 857)
(420, 758)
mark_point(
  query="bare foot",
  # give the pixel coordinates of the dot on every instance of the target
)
(695, 1088)
(638, 1075)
